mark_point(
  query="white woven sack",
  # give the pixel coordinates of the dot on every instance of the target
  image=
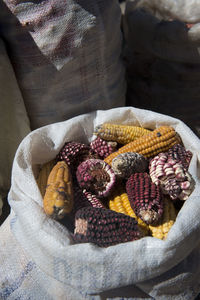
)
(162, 269)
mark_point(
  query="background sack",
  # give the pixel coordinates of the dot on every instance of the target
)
(162, 57)
(162, 269)
(66, 56)
(14, 123)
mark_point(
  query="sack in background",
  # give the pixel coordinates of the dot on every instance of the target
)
(66, 56)
(162, 56)
(14, 123)
(160, 269)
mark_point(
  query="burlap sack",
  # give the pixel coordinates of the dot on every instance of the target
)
(43, 248)
(66, 56)
(162, 55)
(14, 123)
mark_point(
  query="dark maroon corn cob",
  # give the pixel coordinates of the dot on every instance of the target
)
(145, 197)
(104, 227)
(103, 148)
(73, 153)
(181, 155)
(96, 176)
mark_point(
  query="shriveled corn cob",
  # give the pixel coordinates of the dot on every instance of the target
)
(43, 176)
(161, 230)
(121, 134)
(119, 202)
(58, 199)
(159, 140)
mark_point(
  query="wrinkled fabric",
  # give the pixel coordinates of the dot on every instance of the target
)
(66, 56)
(14, 123)
(159, 269)
(163, 57)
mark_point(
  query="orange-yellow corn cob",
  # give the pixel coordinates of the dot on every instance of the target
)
(122, 134)
(59, 198)
(119, 202)
(43, 176)
(161, 229)
(159, 140)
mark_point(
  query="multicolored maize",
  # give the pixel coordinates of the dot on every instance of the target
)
(104, 227)
(159, 140)
(73, 153)
(103, 148)
(96, 176)
(146, 198)
(181, 155)
(118, 201)
(161, 229)
(58, 199)
(171, 176)
(121, 134)
(128, 163)
(43, 176)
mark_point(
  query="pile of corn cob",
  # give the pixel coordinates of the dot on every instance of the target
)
(126, 184)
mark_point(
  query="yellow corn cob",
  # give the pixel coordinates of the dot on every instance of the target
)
(119, 202)
(161, 229)
(122, 134)
(43, 176)
(58, 199)
(159, 140)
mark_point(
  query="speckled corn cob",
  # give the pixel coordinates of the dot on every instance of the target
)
(119, 202)
(161, 229)
(173, 179)
(145, 197)
(103, 148)
(73, 153)
(121, 134)
(96, 176)
(128, 163)
(43, 176)
(58, 199)
(181, 155)
(104, 227)
(159, 140)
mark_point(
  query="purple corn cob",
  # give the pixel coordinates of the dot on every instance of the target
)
(171, 176)
(103, 148)
(104, 227)
(145, 197)
(73, 153)
(96, 176)
(181, 155)
(128, 163)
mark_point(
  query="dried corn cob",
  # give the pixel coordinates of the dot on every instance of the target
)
(159, 140)
(58, 198)
(96, 176)
(173, 179)
(73, 153)
(128, 163)
(145, 197)
(181, 155)
(121, 134)
(119, 202)
(43, 176)
(161, 229)
(104, 227)
(103, 148)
